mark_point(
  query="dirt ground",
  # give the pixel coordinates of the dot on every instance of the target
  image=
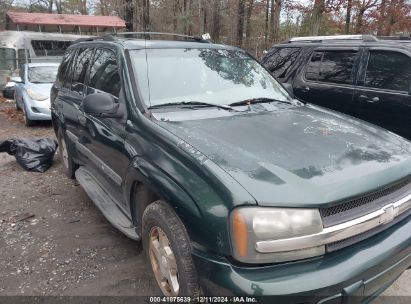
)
(68, 247)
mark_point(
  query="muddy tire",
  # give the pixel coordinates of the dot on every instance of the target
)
(27, 121)
(15, 101)
(168, 250)
(69, 167)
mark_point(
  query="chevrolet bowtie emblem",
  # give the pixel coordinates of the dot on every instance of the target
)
(389, 214)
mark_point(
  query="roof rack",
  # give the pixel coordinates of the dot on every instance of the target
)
(365, 38)
(94, 38)
(396, 38)
(147, 35)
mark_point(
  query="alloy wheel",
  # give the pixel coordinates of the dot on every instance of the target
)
(163, 262)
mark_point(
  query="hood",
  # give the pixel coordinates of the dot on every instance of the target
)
(303, 156)
(43, 88)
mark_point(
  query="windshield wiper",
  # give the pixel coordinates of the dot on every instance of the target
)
(256, 100)
(193, 103)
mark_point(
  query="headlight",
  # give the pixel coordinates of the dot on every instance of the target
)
(36, 95)
(251, 226)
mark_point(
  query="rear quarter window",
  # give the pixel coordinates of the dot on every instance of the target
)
(280, 61)
(388, 70)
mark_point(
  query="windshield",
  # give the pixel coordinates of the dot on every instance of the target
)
(203, 75)
(42, 74)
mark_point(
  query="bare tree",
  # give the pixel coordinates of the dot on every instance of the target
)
(240, 22)
(364, 5)
(267, 12)
(146, 15)
(129, 15)
(382, 16)
(215, 32)
(249, 4)
(316, 16)
(348, 17)
(275, 19)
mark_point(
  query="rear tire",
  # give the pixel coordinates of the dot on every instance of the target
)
(69, 166)
(15, 100)
(168, 249)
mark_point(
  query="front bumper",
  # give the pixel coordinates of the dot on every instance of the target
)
(38, 110)
(351, 275)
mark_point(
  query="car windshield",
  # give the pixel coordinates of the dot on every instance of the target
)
(42, 74)
(216, 76)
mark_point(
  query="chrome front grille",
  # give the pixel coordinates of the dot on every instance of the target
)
(371, 202)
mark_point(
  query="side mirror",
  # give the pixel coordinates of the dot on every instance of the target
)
(289, 88)
(409, 89)
(100, 104)
(16, 79)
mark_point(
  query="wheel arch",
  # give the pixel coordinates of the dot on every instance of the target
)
(148, 183)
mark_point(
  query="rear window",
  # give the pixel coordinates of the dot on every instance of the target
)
(7, 59)
(388, 70)
(331, 67)
(281, 60)
(50, 47)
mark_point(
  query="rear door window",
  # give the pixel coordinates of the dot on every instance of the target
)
(64, 67)
(80, 65)
(280, 62)
(332, 67)
(388, 70)
(104, 72)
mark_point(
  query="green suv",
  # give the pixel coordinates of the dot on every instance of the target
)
(233, 186)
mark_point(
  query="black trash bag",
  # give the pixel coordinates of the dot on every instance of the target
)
(33, 154)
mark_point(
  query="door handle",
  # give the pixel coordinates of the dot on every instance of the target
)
(368, 99)
(305, 89)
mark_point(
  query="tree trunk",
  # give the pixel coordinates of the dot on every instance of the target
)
(240, 22)
(272, 8)
(190, 17)
(83, 7)
(146, 15)
(58, 7)
(267, 12)
(348, 17)
(276, 20)
(249, 11)
(316, 17)
(360, 17)
(176, 4)
(50, 8)
(205, 16)
(129, 15)
(215, 33)
(381, 19)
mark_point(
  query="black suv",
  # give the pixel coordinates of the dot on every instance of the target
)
(358, 75)
(233, 186)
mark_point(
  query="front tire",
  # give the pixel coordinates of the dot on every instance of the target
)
(69, 166)
(27, 121)
(167, 247)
